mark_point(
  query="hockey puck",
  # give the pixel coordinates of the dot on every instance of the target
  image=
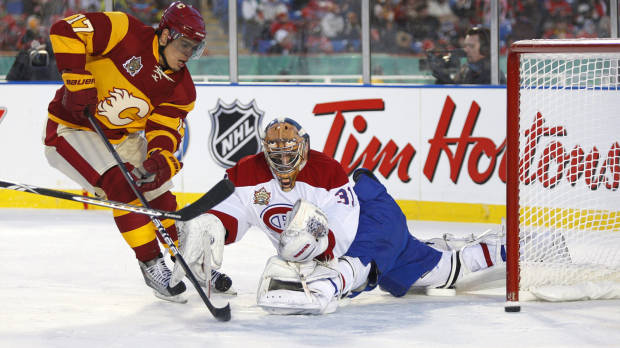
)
(440, 292)
(512, 309)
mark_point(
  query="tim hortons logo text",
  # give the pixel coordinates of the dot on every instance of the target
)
(234, 132)
(555, 161)
(389, 158)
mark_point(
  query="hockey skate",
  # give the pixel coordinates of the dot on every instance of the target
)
(157, 276)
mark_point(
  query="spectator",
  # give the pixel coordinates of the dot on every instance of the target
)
(34, 63)
(478, 68)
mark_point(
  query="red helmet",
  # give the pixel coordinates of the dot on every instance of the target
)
(184, 20)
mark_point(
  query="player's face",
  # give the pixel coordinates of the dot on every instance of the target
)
(471, 46)
(179, 51)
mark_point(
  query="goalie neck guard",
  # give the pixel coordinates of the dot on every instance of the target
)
(286, 146)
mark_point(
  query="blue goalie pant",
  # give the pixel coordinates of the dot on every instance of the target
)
(383, 238)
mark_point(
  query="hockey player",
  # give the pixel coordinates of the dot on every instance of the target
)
(133, 79)
(333, 238)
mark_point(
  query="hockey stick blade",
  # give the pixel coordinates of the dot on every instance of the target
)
(214, 196)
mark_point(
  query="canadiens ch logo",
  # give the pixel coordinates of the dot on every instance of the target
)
(261, 196)
(133, 65)
(274, 216)
(234, 132)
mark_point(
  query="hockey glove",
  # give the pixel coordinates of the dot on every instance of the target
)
(158, 168)
(80, 93)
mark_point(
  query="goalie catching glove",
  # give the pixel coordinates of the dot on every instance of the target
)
(201, 242)
(305, 234)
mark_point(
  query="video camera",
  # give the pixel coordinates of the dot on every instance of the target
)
(444, 63)
(37, 55)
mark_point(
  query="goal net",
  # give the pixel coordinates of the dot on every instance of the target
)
(563, 189)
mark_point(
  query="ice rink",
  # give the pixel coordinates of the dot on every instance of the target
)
(69, 280)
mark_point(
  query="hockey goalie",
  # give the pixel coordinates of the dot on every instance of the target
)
(333, 237)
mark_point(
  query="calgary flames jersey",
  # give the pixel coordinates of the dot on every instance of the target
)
(134, 93)
(259, 201)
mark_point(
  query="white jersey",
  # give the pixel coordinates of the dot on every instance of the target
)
(259, 201)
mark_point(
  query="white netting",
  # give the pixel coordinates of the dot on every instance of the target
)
(569, 170)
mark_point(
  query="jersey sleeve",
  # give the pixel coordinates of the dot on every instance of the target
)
(165, 127)
(80, 35)
(233, 216)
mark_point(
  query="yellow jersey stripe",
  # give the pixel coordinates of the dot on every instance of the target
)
(120, 26)
(63, 44)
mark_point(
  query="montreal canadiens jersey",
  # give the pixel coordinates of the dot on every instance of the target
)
(259, 201)
(134, 93)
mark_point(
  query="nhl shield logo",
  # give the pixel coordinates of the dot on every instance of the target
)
(234, 132)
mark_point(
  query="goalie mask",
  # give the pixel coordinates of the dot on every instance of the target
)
(286, 147)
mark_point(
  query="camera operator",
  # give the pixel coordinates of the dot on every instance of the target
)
(477, 70)
(35, 60)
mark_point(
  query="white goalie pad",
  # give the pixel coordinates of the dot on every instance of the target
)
(471, 265)
(305, 234)
(201, 242)
(298, 288)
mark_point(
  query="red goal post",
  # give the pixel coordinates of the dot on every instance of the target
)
(563, 169)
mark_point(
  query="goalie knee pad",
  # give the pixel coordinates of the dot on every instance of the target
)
(298, 287)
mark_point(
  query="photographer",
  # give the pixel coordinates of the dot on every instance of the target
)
(35, 60)
(477, 70)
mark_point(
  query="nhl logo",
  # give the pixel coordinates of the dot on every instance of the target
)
(234, 132)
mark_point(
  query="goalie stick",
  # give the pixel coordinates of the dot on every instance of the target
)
(214, 196)
(220, 313)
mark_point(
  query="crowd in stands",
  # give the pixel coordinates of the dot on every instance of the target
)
(333, 26)
(407, 26)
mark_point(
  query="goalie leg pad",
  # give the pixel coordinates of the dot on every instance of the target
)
(201, 242)
(298, 287)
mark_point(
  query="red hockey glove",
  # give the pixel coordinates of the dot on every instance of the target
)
(80, 93)
(158, 168)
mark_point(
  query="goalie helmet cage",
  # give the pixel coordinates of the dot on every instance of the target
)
(563, 170)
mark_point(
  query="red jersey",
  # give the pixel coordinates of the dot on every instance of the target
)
(134, 93)
(259, 201)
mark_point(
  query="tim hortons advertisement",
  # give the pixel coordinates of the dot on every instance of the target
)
(439, 149)
(427, 144)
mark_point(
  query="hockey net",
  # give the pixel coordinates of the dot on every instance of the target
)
(563, 197)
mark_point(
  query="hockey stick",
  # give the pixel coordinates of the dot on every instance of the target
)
(221, 314)
(216, 194)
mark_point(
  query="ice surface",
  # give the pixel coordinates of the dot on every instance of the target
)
(69, 280)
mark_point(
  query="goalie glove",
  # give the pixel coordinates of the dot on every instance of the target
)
(201, 242)
(305, 234)
(299, 287)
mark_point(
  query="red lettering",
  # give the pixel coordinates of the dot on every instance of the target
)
(482, 146)
(372, 156)
(555, 162)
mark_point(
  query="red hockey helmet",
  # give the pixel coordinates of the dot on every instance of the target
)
(184, 20)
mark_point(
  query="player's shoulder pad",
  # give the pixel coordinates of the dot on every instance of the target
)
(249, 171)
(323, 171)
